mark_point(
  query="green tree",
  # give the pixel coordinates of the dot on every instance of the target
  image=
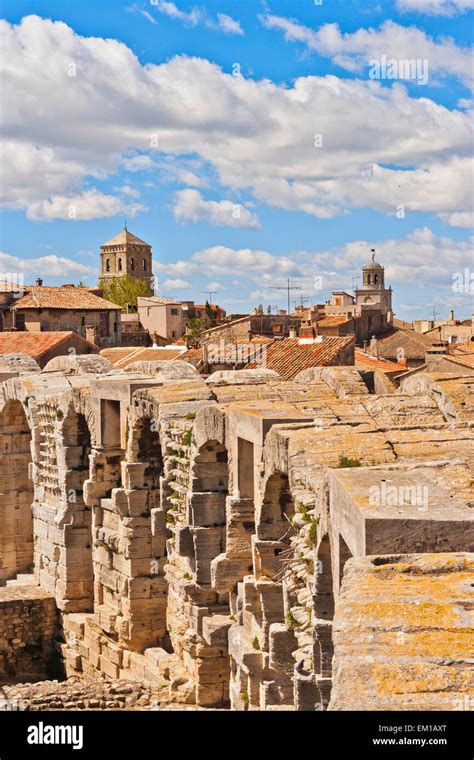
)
(124, 290)
(211, 316)
(194, 332)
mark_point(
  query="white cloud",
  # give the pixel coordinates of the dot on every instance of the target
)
(193, 18)
(138, 163)
(183, 171)
(353, 52)
(136, 8)
(55, 266)
(222, 260)
(380, 147)
(436, 7)
(228, 25)
(214, 287)
(421, 259)
(461, 219)
(177, 283)
(91, 204)
(190, 207)
(198, 17)
(127, 190)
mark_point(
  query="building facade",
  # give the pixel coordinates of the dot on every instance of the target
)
(126, 254)
(67, 308)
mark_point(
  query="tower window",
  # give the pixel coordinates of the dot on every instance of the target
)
(376, 279)
(368, 279)
(132, 264)
(107, 265)
(120, 265)
(144, 265)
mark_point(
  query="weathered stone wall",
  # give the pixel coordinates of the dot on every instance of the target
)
(16, 492)
(403, 634)
(195, 534)
(27, 628)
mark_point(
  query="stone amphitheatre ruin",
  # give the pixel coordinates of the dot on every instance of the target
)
(236, 542)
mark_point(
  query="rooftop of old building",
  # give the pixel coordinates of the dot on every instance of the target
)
(36, 344)
(124, 238)
(289, 356)
(63, 297)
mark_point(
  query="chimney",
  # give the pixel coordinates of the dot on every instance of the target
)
(39, 282)
(91, 334)
(451, 315)
(292, 333)
(374, 347)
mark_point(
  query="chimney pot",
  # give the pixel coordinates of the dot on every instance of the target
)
(39, 282)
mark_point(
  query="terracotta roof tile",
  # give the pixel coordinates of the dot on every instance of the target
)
(122, 357)
(124, 238)
(366, 361)
(413, 344)
(333, 321)
(46, 297)
(33, 343)
(289, 357)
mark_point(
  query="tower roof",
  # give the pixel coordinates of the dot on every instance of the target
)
(373, 264)
(124, 238)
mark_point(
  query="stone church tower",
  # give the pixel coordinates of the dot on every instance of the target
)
(373, 294)
(126, 254)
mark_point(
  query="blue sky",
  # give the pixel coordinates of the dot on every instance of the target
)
(246, 142)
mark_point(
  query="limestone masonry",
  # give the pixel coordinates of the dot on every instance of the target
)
(238, 542)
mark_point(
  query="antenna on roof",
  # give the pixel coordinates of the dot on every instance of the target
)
(125, 225)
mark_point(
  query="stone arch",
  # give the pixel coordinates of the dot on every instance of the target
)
(82, 404)
(277, 509)
(16, 518)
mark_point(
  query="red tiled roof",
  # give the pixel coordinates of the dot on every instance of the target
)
(193, 356)
(463, 358)
(289, 357)
(49, 297)
(366, 361)
(333, 321)
(122, 357)
(125, 238)
(33, 343)
(413, 344)
(263, 339)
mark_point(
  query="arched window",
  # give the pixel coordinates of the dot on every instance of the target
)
(144, 265)
(376, 279)
(120, 265)
(107, 265)
(368, 279)
(132, 264)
